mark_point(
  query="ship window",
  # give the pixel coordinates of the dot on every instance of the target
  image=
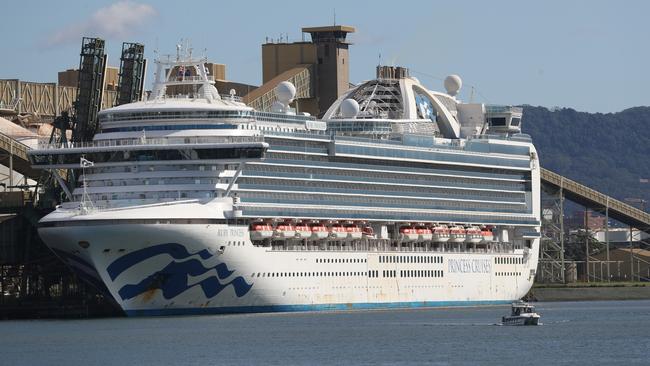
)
(515, 122)
(498, 121)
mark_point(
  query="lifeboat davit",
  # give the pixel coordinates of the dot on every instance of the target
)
(408, 233)
(487, 235)
(318, 231)
(260, 231)
(303, 231)
(440, 233)
(285, 231)
(473, 234)
(457, 234)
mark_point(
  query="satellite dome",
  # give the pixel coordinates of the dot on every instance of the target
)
(453, 83)
(278, 107)
(349, 108)
(285, 92)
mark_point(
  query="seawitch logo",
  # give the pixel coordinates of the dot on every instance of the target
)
(469, 266)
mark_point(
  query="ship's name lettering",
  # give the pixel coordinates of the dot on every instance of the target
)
(231, 232)
(469, 266)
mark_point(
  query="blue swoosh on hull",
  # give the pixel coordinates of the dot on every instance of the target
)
(127, 261)
(172, 279)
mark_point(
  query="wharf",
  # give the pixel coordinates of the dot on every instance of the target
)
(591, 292)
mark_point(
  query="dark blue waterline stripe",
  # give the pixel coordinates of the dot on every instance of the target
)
(314, 307)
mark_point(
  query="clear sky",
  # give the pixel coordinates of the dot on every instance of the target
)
(588, 55)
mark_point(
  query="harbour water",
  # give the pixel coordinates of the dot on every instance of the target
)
(573, 333)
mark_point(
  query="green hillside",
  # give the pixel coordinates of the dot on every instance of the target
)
(608, 152)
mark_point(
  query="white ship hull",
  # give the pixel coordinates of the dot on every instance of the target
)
(168, 190)
(172, 267)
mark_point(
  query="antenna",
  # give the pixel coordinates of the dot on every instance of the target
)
(334, 16)
(86, 204)
(471, 95)
(379, 62)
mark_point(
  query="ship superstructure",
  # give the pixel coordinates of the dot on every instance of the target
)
(399, 196)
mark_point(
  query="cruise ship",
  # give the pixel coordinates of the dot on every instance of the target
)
(398, 197)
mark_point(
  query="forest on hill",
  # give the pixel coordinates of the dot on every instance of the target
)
(607, 152)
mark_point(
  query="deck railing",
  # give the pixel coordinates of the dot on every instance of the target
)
(145, 141)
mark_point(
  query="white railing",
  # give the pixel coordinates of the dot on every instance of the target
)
(234, 98)
(173, 79)
(45, 144)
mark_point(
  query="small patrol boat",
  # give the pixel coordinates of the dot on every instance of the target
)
(522, 313)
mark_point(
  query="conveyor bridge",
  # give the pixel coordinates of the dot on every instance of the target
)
(13, 154)
(597, 201)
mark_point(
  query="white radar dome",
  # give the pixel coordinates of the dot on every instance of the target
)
(453, 83)
(349, 108)
(285, 92)
(278, 107)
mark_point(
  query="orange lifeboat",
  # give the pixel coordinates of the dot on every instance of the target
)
(260, 231)
(368, 232)
(354, 231)
(303, 231)
(338, 232)
(285, 230)
(440, 233)
(473, 234)
(457, 234)
(408, 233)
(487, 235)
(424, 233)
(318, 231)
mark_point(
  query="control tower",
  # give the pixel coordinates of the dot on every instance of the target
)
(327, 55)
